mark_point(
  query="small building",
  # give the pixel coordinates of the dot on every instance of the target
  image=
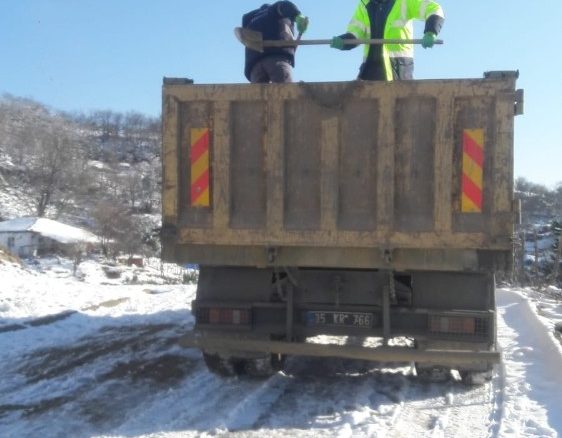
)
(32, 236)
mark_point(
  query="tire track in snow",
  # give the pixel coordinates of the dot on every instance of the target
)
(447, 409)
(251, 408)
(206, 403)
(497, 389)
(333, 397)
(467, 410)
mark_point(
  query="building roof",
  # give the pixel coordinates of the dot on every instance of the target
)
(54, 230)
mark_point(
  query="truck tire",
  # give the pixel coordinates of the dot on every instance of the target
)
(224, 367)
(264, 367)
(473, 378)
(432, 373)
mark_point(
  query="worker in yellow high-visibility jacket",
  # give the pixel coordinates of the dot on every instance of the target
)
(390, 19)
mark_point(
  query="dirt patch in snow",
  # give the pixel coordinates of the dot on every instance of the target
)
(108, 304)
(44, 320)
(167, 369)
(127, 383)
(58, 361)
(106, 406)
(6, 256)
(105, 374)
(36, 408)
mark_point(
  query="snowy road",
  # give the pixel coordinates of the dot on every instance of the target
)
(132, 380)
(532, 361)
(115, 370)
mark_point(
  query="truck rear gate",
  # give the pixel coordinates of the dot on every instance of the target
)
(405, 175)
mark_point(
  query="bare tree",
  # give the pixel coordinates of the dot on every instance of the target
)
(132, 185)
(106, 215)
(535, 199)
(148, 193)
(3, 113)
(130, 241)
(54, 169)
(108, 122)
(134, 124)
(117, 229)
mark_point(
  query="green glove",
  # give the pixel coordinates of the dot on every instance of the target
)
(337, 43)
(302, 23)
(428, 40)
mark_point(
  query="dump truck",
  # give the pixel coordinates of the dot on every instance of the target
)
(361, 220)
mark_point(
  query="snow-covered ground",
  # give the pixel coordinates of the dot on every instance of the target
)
(13, 202)
(89, 356)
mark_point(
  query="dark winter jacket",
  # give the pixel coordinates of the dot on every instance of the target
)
(275, 22)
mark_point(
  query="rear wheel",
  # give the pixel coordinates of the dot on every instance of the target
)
(477, 377)
(224, 367)
(264, 367)
(432, 373)
(261, 367)
(428, 372)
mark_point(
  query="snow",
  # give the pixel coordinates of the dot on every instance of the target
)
(532, 367)
(14, 202)
(543, 243)
(60, 232)
(84, 355)
(97, 165)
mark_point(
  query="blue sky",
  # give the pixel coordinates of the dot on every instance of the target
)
(112, 54)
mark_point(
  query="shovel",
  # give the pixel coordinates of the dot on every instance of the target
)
(253, 40)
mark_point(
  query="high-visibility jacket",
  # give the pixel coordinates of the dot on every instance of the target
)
(399, 25)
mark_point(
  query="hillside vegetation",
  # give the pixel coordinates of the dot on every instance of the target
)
(99, 170)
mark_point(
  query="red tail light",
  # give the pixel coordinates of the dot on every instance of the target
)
(223, 316)
(453, 324)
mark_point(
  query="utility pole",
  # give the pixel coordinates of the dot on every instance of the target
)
(522, 253)
(557, 259)
(536, 266)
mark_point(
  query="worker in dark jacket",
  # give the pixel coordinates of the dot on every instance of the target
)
(275, 22)
(390, 19)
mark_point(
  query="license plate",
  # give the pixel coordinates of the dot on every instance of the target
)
(347, 319)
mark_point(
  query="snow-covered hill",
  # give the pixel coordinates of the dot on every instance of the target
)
(79, 168)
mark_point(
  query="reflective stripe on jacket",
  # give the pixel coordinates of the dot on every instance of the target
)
(398, 26)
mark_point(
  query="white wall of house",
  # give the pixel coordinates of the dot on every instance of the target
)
(20, 243)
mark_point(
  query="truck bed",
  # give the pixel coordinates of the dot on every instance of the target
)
(412, 175)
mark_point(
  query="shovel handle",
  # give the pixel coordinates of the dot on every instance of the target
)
(354, 42)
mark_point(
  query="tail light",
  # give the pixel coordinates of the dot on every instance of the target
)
(458, 325)
(223, 316)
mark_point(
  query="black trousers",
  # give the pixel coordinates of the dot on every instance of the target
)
(373, 70)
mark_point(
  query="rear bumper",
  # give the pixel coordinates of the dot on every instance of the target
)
(221, 344)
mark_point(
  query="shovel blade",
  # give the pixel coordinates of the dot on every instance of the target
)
(250, 38)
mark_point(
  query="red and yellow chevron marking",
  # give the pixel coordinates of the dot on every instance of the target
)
(472, 170)
(199, 157)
